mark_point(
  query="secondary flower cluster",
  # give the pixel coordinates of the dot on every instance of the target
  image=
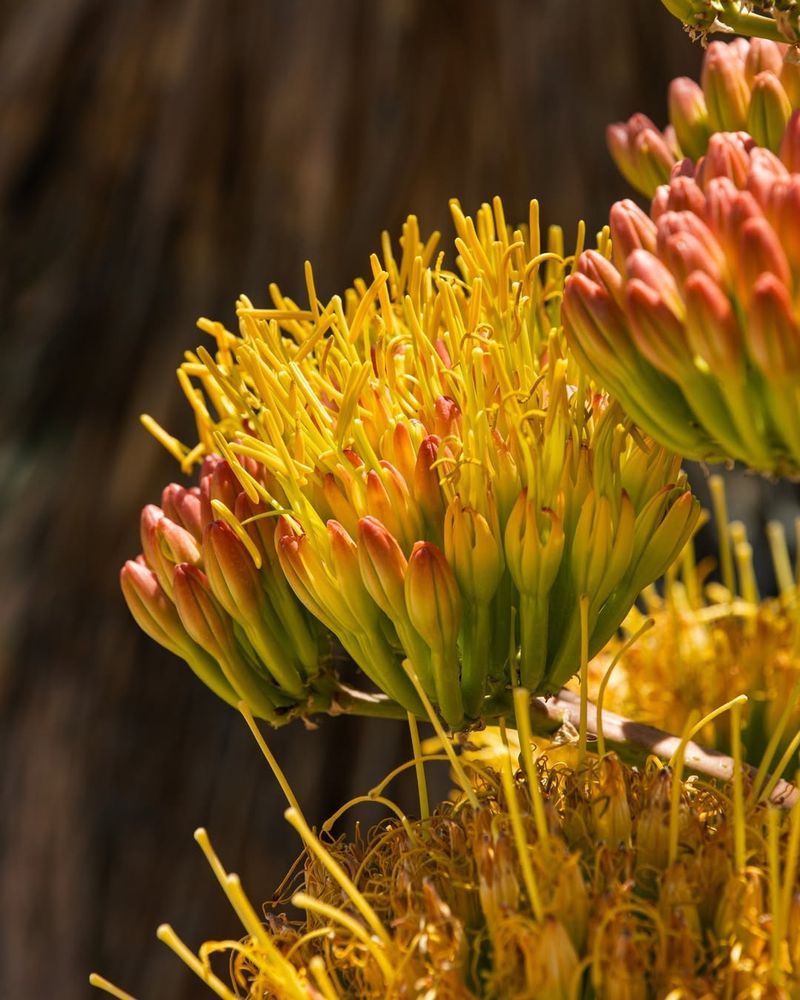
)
(608, 881)
(744, 86)
(693, 322)
(429, 473)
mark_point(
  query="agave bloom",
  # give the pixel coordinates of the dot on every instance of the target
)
(692, 320)
(744, 86)
(417, 470)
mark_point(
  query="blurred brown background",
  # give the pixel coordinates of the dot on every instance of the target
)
(157, 159)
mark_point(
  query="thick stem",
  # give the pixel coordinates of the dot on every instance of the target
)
(625, 732)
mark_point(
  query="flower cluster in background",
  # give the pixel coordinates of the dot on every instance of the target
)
(692, 323)
(745, 86)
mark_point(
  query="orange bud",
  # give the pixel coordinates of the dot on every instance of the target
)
(711, 327)
(658, 333)
(218, 484)
(182, 506)
(427, 491)
(686, 244)
(631, 230)
(344, 557)
(759, 251)
(773, 332)
(432, 596)
(447, 416)
(153, 611)
(762, 55)
(201, 614)
(233, 577)
(726, 157)
(383, 567)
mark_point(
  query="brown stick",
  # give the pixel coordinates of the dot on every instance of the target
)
(565, 706)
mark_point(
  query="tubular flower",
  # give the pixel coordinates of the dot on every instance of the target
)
(749, 86)
(445, 484)
(693, 323)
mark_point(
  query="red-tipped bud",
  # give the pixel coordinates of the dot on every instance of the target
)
(183, 507)
(726, 157)
(176, 543)
(594, 326)
(201, 614)
(642, 154)
(686, 245)
(602, 272)
(682, 194)
(658, 333)
(383, 567)
(773, 332)
(711, 327)
(769, 111)
(432, 597)
(647, 268)
(234, 580)
(631, 230)
(152, 610)
(689, 116)
(758, 251)
(389, 500)
(725, 88)
(427, 491)
(219, 484)
(346, 569)
(762, 55)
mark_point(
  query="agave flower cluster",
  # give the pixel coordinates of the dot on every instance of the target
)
(693, 324)
(748, 86)
(419, 471)
(602, 881)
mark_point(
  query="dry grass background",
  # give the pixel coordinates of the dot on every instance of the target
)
(156, 159)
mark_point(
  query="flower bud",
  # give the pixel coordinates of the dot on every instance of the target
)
(432, 596)
(473, 551)
(769, 111)
(383, 567)
(725, 88)
(773, 329)
(726, 157)
(344, 558)
(220, 483)
(183, 507)
(610, 809)
(233, 577)
(689, 116)
(631, 230)
(712, 330)
(534, 543)
(212, 629)
(427, 491)
(790, 144)
(153, 611)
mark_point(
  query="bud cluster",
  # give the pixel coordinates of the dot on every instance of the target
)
(445, 484)
(691, 322)
(748, 86)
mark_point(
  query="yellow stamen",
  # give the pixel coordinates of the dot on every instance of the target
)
(103, 984)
